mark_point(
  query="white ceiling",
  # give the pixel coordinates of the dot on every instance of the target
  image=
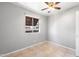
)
(37, 6)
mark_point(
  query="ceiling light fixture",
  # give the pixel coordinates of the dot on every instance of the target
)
(51, 5)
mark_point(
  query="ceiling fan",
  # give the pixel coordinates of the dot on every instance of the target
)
(51, 5)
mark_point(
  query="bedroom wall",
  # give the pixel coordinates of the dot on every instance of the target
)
(12, 28)
(61, 28)
(77, 32)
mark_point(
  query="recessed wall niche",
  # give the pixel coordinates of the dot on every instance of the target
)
(31, 24)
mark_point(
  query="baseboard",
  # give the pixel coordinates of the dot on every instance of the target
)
(62, 46)
(22, 48)
(2, 55)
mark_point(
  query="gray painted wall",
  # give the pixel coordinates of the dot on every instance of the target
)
(12, 28)
(61, 28)
(77, 32)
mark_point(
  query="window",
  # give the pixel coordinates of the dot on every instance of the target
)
(32, 24)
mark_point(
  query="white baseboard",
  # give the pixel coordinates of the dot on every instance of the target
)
(62, 46)
(22, 48)
(36, 45)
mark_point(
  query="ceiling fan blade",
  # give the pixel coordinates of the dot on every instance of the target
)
(57, 3)
(47, 3)
(57, 8)
(44, 9)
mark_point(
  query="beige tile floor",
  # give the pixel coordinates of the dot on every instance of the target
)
(46, 49)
